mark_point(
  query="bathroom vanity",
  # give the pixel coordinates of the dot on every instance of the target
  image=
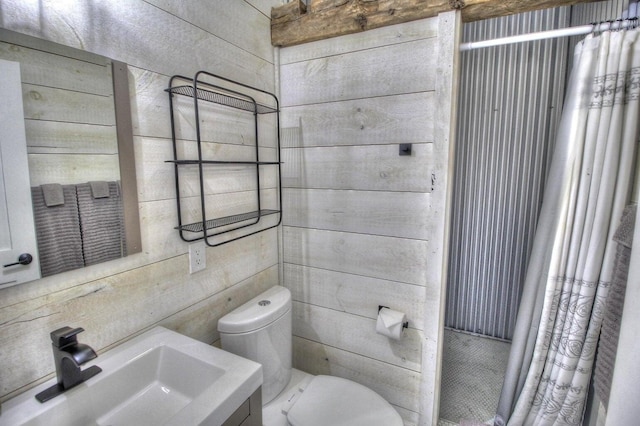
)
(157, 378)
(249, 413)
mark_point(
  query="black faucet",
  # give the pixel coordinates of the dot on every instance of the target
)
(69, 355)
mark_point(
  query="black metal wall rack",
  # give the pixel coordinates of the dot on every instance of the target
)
(211, 88)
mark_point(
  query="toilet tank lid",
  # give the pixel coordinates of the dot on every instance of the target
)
(258, 312)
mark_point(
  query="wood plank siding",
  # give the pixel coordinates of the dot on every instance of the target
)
(116, 300)
(364, 226)
(68, 110)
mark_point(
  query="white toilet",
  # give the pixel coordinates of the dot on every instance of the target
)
(261, 331)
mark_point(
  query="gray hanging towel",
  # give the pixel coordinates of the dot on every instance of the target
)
(53, 194)
(100, 189)
(101, 223)
(57, 228)
(610, 332)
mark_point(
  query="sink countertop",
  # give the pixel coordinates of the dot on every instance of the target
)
(234, 379)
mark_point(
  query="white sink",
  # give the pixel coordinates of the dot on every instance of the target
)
(158, 378)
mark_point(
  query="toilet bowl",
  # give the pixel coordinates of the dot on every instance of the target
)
(260, 330)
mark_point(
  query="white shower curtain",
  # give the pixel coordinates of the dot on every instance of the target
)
(570, 268)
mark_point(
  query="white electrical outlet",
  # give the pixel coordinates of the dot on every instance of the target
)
(197, 257)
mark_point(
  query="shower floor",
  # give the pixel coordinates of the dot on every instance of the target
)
(473, 369)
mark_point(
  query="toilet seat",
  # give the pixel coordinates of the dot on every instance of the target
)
(329, 400)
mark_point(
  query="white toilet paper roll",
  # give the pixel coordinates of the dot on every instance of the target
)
(390, 323)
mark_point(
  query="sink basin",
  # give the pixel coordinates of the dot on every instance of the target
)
(158, 378)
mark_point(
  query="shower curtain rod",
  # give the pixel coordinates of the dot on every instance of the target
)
(543, 35)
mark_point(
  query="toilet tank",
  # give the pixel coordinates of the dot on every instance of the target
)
(260, 330)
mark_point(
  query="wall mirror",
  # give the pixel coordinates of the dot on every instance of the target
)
(77, 123)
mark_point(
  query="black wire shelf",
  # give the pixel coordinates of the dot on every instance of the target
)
(226, 220)
(221, 99)
(247, 163)
(210, 90)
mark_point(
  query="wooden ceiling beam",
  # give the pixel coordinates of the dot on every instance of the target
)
(294, 23)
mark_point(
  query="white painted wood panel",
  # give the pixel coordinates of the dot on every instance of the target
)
(71, 169)
(149, 102)
(385, 36)
(232, 22)
(449, 30)
(387, 258)
(360, 74)
(404, 118)
(365, 212)
(372, 168)
(159, 240)
(356, 334)
(45, 103)
(354, 294)
(68, 106)
(49, 137)
(53, 70)
(141, 35)
(264, 6)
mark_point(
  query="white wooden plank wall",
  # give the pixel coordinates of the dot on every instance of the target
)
(68, 109)
(116, 300)
(364, 226)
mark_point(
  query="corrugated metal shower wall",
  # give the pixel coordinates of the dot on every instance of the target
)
(509, 106)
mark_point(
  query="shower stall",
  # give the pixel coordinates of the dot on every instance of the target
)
(509, 105)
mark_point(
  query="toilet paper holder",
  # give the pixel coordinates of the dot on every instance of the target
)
(404, 324)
